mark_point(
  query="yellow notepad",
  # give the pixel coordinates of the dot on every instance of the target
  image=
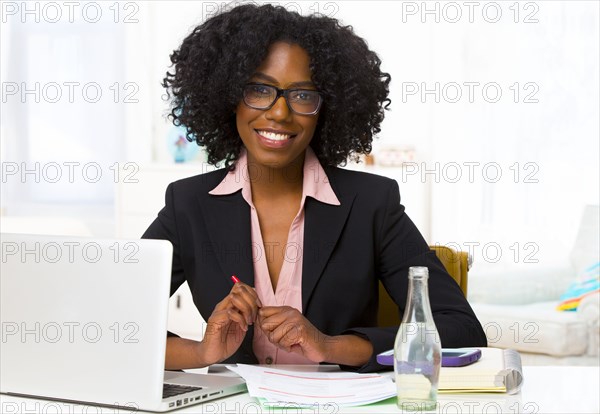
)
(498, 370)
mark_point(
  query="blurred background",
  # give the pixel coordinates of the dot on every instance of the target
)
(493, 132)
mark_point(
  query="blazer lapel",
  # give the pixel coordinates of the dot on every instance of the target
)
(227, 219)
(323, 224)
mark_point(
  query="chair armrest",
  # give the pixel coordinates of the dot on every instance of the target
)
(588, 311)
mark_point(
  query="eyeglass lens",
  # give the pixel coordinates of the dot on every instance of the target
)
(302, 101)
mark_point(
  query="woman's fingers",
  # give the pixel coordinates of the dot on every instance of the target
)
(245, 300)
(287, 328)
(238, 318)
(283, 325)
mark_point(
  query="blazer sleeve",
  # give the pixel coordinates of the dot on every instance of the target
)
(400, 245)
(164, 227)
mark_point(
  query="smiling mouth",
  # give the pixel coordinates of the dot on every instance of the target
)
(274, 136)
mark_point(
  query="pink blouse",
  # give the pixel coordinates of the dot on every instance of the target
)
(289, 285)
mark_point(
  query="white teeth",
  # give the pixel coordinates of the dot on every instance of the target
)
(273, 136)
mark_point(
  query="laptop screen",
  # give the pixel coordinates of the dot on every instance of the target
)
(84, 319)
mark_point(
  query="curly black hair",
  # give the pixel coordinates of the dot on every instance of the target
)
(217, 59)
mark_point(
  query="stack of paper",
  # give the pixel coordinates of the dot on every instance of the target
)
(498, 370)
(278, 387)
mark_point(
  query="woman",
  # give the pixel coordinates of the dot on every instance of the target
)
(281, 99)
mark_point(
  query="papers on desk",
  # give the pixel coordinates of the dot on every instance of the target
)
(498, 370)
(286, 388)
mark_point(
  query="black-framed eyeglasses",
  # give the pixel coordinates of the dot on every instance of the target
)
(300, 101)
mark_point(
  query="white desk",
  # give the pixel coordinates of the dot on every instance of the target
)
(547, 389)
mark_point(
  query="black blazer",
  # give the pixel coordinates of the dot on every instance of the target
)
(347, 250)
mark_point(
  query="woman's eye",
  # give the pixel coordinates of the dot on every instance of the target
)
(305, 96)
(260, 90)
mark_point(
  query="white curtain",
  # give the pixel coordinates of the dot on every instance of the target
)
(74, 101)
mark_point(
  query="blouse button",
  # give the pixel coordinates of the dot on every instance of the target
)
(268, 360)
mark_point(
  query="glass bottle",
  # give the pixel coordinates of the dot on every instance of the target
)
(417, 350)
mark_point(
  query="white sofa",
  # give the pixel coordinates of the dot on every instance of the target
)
(524, 317)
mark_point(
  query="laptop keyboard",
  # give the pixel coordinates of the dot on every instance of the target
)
(170, 390)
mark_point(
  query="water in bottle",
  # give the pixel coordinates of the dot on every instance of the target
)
(417, 350)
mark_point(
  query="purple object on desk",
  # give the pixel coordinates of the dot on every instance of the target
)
(451, 357)
(459, 357)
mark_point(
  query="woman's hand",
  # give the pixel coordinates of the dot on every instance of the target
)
(287, 328)
(228, 324)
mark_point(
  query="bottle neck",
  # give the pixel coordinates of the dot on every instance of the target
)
(418, 308)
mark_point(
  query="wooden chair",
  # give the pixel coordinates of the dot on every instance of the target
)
(457, 264)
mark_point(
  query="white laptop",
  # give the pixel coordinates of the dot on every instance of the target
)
(84, 320)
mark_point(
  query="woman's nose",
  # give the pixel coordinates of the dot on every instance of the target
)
(279, 111)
